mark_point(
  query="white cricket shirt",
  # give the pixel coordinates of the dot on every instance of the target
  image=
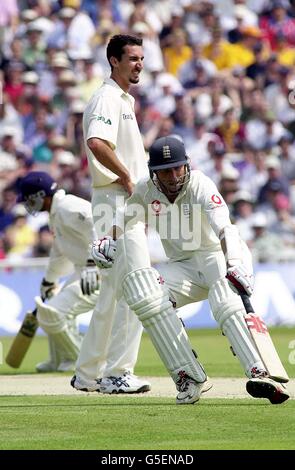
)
(192, 223)
(110, 116)
(70, 220)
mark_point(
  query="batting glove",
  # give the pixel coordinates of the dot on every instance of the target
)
(47, 289)
(104, 252)
(89, 278)
(240, 280)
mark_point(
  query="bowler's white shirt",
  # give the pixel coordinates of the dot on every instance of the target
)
(110, 116)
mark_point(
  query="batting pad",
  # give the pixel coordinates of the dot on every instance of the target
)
(147, 296)
(228, 311)
(66, 339)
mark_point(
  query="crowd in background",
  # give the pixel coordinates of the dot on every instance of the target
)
(220, 74)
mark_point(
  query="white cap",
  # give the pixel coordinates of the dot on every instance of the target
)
(273, 162)
(77, 107)
(258, 220)
(140, 27)
(230, 173)
(66, 158)
(60, 60)
(58, 141)
(67, 12)
(243, 195)
(8, 131)
(67, 76)
(30, 77)
(29, 14)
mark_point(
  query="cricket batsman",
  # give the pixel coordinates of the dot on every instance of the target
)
(207, 260)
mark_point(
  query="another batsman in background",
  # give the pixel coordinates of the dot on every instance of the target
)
(70, 220)
(203, 248)
(117, 160)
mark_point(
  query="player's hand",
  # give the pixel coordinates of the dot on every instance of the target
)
(127, 184)
(240, 279)
(89, 278)
(47, 289)
(104, 252)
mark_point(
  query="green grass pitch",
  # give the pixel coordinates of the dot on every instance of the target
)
(117, 423)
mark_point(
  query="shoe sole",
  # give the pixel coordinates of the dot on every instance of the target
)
(207, 387)
(266, 390)
(143, 389)
(82, 389)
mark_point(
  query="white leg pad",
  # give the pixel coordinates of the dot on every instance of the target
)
(149, 299)
(66, 338)
(228, 311)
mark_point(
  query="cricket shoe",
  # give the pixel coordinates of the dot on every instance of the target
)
(264, 387)
(85, 386)
(126, 383)
(66, 366)
(190, 391)
(46, 366)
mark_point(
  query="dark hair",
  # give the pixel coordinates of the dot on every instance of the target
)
(117, 43)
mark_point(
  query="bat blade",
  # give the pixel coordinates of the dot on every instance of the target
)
(22, 340)
(266, 348)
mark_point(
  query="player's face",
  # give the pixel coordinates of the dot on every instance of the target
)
(171, 179)
(130, 65)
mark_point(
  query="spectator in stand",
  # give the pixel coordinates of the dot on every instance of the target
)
(8, 201)
(278, 21)
(286, 154)
(19, 236)
(276, 181)
(178, 53)
(43, 242)
(265, 247)
(231, 131)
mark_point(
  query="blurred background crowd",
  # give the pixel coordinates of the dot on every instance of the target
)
(220, 74)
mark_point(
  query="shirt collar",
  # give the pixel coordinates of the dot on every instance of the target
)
(119, 90)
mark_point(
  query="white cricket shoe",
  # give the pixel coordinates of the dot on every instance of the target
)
(66, 366)
(126, 383)
(85, 386)
(190, 391)
(46, 366)
(264, 387)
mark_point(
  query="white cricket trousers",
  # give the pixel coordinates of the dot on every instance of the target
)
(110, 346)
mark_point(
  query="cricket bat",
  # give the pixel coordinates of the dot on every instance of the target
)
(22, 340)
(263, 343)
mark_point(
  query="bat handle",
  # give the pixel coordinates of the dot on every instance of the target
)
(246, 302)
(34, 312)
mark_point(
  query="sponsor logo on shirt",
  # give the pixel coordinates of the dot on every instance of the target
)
(156, 206)
(127, 116)
(104, 120)
(216, 199)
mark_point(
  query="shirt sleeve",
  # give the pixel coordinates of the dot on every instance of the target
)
(58, 265)
(214, 205)
(104, 119)
(80, 222)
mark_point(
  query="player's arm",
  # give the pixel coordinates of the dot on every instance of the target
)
(58, 266)
(240, 277)
(103, 153)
